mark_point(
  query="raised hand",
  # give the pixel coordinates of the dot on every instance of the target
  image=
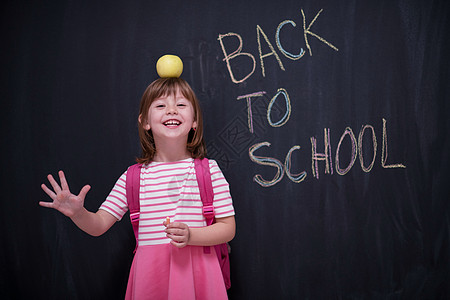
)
(63, 200)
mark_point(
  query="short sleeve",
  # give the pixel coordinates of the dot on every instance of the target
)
(116, 202)
(223, 204)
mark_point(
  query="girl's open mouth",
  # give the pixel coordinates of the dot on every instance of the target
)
(172, 123)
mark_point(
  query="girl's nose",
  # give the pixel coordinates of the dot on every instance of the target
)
(172, 110)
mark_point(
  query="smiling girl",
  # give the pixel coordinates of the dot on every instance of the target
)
(169, 262)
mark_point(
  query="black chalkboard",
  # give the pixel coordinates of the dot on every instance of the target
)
(329, 119)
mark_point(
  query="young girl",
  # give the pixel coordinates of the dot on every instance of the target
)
(170, 262)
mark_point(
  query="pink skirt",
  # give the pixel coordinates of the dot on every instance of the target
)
(167, 272)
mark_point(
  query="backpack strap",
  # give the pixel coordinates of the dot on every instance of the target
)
(203, 175)
(133, 184)
(205, 186)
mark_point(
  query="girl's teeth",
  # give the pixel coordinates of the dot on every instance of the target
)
(172, 123)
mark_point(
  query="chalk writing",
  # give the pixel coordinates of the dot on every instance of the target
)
(384, 151)
(360, 151)
(266, 161)
(273, 162)
(236, 53)
(348, 131)
(286, 116)
(307, 31)
(260, 32)
(239, 135)
(297, 178)
(356, 149)
(284, 52)
(278, 123)
(234, 139)
(316, 157)
(249, 107)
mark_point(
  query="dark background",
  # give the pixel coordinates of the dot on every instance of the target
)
(72, 76)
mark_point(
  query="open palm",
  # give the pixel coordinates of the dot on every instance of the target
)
(63, 200)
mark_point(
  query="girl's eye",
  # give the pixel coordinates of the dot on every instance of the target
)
(181, 104)
(160, 106)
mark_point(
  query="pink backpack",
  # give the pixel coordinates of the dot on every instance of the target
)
(207, 195)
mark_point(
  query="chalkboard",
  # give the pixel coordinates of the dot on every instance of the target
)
(329, 119)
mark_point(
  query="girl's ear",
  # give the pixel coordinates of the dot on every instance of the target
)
(194, 125)
(145, 126)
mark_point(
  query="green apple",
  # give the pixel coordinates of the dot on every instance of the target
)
(169, 66)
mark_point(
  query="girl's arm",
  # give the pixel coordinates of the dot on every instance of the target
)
(72, 206)
(94, 224)
(221, 231)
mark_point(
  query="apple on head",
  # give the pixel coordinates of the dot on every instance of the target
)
(169, 66)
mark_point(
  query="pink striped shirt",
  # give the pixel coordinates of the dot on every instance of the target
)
(169, 189)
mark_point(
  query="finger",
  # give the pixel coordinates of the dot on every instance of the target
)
(63, 180)
(46, 204)
(175, 238)
(178, 245)
(172, 230)
(48, 191)
(177, 225)
(182, 237)
(84, 191)
(177, 232)
(54, 184)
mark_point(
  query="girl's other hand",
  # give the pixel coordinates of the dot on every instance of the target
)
(63, 200)
(179, 234)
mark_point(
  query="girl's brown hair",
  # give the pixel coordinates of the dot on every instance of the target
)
(160, 88)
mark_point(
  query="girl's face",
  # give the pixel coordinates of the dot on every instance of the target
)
(170, 117)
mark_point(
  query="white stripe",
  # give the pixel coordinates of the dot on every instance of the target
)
(170, 189)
